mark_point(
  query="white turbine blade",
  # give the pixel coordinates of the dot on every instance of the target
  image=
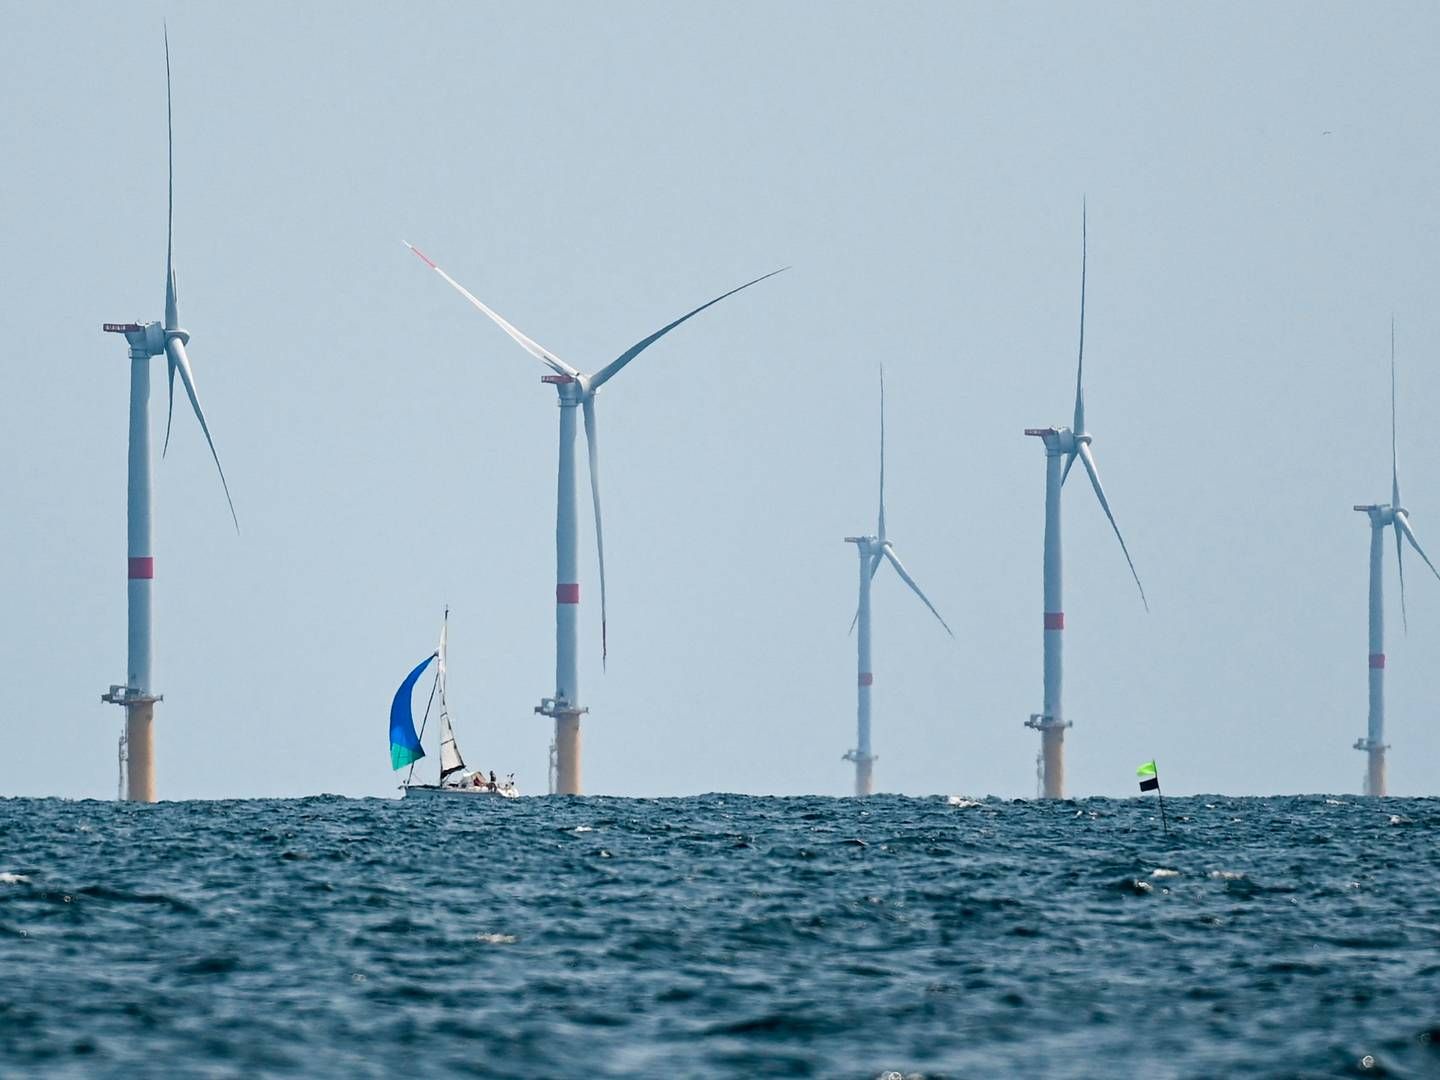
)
(172, 316)
(544, 355)
(874, 565)
(175, 349)
(1089, 461)
(170, 407)
(881, 526)
(1069, 461)
(1079, 427)
(608, 372)
(1402, 523)
(900, 569)
(1394, 457)
(1400, 563)
(592, 438)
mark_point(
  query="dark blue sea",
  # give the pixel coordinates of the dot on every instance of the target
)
(726, 936)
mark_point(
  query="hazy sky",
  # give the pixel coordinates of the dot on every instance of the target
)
(1264, 191)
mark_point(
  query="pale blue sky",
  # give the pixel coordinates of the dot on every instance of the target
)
(1264, 191)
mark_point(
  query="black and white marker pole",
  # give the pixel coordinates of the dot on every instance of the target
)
(1150, 781)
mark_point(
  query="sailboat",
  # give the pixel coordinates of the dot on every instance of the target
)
(406, 748)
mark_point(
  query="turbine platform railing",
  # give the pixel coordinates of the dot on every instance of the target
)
(1045, 722)
(126, 696)
(559, 707)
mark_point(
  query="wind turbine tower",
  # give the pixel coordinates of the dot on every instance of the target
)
(872, 550)
(137, 696)
(575, 390)
(1383, 516)
(1067, 443)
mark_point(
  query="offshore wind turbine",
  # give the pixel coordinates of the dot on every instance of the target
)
(146, 340)
(1068, 443)
(575, 389)
(872, 551)
(1384, 516)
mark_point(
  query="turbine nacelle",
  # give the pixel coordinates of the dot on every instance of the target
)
(572, 388)
(1382, 514)
(149, 336)
(1059, 440)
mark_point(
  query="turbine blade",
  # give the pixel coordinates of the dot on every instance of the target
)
(544, 355)
(874, 565)
(175, 349)
(170, 407)
(882, 455)
(592, 438)
(1394, 458)
(900, 569)
(1400, 562)
(1402, 522)
(1089, 461)
(1079, 427)
(609, 371)
(172, 315)
(1069, 461)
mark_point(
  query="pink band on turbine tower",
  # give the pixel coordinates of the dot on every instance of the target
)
(1377, 659)
(867, 678)
(567, 594)
(1054, 620)
(142, 568)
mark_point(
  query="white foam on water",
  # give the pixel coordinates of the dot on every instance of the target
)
(1226, 875)
(960, 800)
(496, 939)
(1161, 871)
(582, 828)
(7, 878)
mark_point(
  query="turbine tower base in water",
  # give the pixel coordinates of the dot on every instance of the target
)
(565, 750)
(137, 746)
(140, 751)
(864, 771)
(1374, 766)
(1052, 754)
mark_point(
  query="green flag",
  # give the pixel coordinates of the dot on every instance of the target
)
(1149, 778)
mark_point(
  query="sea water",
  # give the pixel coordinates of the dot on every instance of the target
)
(721, 935)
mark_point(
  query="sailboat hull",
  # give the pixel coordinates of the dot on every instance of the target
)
(434, 791)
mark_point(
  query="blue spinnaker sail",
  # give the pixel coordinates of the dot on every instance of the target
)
(405, 745)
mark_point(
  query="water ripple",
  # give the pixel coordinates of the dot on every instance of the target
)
(721, 936)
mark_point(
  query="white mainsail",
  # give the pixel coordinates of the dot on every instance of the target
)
(450, 759)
